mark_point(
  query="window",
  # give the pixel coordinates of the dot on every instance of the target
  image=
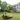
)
(18, 7)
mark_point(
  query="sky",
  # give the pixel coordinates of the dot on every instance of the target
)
(12, 2)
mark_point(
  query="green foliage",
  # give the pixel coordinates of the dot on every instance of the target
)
(4, 7)
(9, 8)
(0, 2)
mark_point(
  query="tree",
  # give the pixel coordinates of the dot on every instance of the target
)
(0, 2)
(4, 6)
(9, 8)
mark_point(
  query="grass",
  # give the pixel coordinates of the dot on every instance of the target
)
(16, 16)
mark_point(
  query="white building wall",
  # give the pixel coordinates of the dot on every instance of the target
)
(18, 8)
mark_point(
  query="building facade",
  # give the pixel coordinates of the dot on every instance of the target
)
(16, 7)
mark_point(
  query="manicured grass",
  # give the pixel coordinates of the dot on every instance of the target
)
(16, 16)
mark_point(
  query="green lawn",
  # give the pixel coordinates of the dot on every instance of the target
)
(16, 16)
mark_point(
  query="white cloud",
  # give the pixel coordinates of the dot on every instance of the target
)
(11, 1)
